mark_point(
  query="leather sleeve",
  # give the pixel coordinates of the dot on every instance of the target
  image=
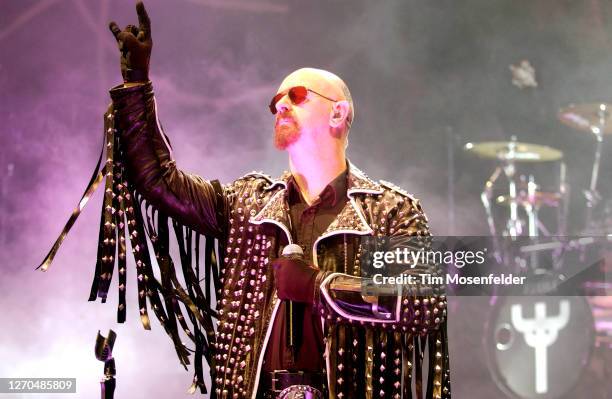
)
(421, 308)
(190, 200)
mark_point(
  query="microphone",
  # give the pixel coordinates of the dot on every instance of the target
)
(291, 251)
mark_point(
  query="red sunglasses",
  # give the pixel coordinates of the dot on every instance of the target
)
(297, 95)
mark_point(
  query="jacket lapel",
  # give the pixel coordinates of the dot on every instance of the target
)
(276, 210)
(351, 219)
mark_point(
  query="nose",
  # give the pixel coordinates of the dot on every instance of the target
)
(283, 105)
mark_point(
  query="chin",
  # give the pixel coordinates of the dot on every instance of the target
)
(284, 136)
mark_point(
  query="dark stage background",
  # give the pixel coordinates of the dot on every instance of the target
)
(426, 77)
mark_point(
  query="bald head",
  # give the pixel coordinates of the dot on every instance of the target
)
(323, 82)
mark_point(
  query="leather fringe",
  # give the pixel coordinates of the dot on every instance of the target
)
(123, 207)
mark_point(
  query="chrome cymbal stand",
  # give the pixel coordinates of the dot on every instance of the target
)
(513, 226)
(487, 196)
(592, 195)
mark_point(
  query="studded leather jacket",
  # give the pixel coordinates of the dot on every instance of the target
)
(371, 351)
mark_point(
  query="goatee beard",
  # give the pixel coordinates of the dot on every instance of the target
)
(285, 134)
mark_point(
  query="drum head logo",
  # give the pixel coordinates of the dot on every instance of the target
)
(540, 332)
(538, 344)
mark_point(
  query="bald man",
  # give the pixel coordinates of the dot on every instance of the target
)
(286, 324)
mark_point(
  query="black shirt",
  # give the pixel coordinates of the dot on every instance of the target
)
(308, 222)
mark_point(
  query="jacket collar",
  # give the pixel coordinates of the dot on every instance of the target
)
(351, 218)
(358, 182)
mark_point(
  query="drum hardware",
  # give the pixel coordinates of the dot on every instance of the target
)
(591, 118)
(514, 151)
(594, 118)
(599, 295)
(578, 243)
(589, 326)
(522, 194)
(550, 336)
(532, 200)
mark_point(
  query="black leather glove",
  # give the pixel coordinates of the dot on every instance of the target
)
(135, 45)
(294, 280)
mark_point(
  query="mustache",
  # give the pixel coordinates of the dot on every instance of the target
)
(285, 115)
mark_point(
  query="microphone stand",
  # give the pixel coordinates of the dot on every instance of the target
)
(104, 353)
(291, 251)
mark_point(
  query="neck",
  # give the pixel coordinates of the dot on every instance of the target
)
(313, 171)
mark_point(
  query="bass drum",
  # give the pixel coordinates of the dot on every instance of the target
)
(538, 346)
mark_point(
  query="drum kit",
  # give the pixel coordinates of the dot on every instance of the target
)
(525, 198)
(513, 204)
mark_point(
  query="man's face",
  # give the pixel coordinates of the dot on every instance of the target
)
(308, 120)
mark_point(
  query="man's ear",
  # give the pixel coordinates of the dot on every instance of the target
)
(339, 113)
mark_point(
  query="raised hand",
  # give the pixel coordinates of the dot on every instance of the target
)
(135, 45)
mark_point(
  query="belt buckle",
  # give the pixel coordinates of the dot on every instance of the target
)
(275, 379)
(300, 392)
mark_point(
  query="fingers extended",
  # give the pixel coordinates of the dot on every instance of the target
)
(143, 20)
(114, 28)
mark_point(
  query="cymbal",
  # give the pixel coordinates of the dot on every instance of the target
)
(514, 151)
(595, 117)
